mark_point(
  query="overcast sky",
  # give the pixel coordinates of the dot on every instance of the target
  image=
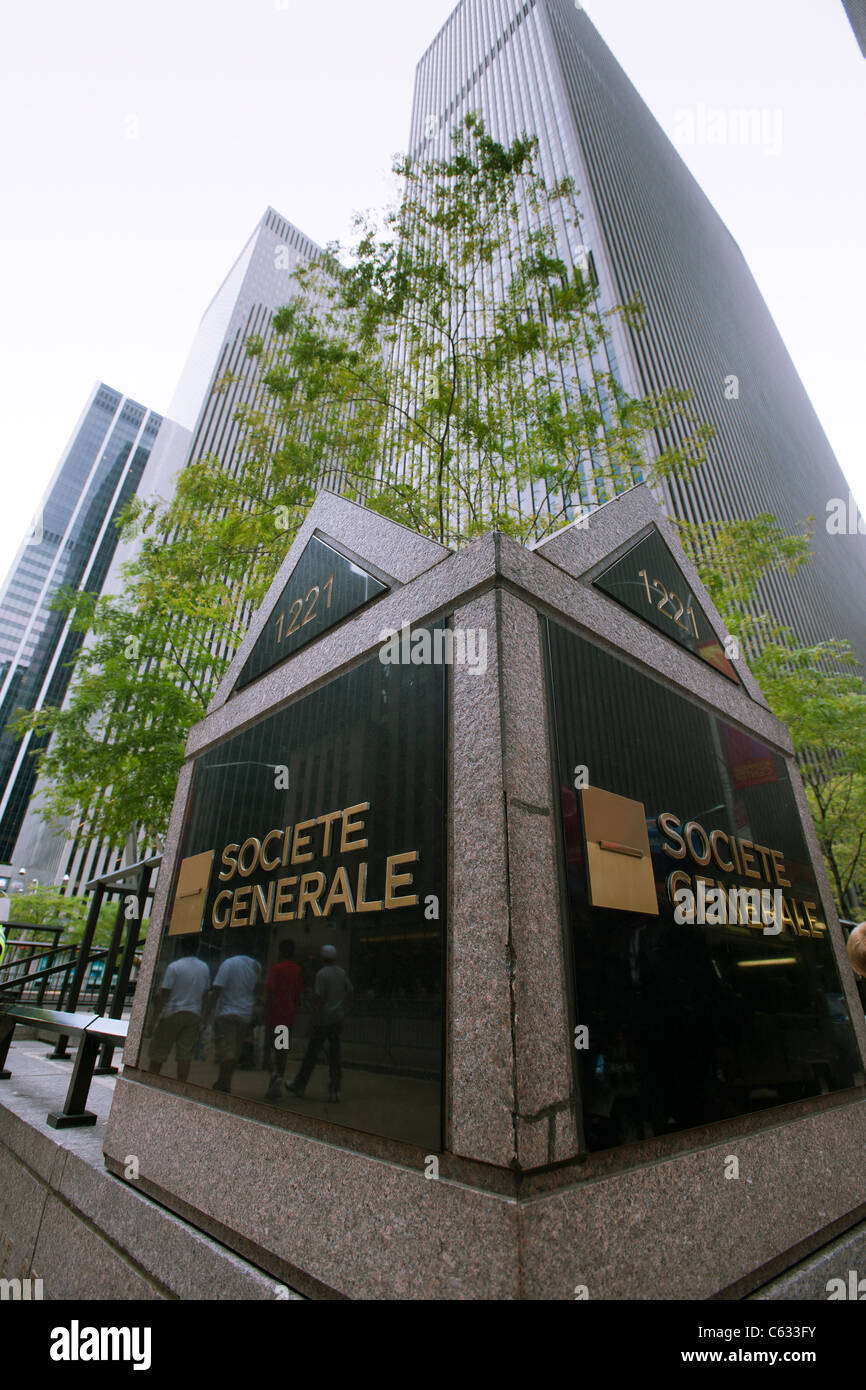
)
(142, 142)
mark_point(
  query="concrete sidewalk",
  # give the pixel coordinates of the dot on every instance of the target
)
(86, 1234)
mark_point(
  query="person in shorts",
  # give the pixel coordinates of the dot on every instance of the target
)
(179, 1007)
(232, 1001)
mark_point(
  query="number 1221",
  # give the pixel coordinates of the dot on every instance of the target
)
(297, 608)
(669, 598)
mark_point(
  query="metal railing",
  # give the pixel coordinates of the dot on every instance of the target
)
(74, 970)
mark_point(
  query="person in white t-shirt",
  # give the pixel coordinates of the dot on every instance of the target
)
(179, 1005)
(233, 998)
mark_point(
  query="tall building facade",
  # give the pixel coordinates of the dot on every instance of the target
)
(540, 66)
(856, 12)
(70, 546)
(199, 421)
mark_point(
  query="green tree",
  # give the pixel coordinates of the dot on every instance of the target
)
(815, 690)
(451, 371)
(46, 905)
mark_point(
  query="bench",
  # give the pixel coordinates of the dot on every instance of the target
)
(92, 1032)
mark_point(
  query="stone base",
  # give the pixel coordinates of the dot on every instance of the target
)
(330, 1220)
(811, 1278)
(88, 1236)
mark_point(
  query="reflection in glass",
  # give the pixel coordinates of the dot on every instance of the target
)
(690, 1022)
(311, 886)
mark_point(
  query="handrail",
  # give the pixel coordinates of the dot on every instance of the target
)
(129, 882)
(48, 952)
(92, 1032)
(34, 926)
(96, 954)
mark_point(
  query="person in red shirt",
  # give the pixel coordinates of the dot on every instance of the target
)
(282, 991)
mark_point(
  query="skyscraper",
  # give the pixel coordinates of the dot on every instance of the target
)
(540, 66)
(856, 12)
(70, 546)
(199, 421)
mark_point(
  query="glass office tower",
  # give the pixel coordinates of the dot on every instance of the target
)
(70, 546)
(540, 66)
(199, 421)
(856, 12)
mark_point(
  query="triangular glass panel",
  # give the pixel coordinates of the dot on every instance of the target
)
(648, 582)
(323, 589)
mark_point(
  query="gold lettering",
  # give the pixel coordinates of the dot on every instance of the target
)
(311, 895)
(287, 844)
(716, 835)
(801, 928)
(676, 880)
(266, 904)
(256, 844)
(300, 841)
(328, 822)
(228, 860)
(746, 848)
(269, 864)
(394, 880)
(349, 826)
(779, 866)
(340, 893)
(818, 927)
(787, 919)
(669, 825)
(361, 905)
(284, 897)
(704, 856)
(237, 905)
(703, 886)
(220, 922)
(764, 853)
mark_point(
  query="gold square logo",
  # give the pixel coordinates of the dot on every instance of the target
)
(618, 863)
(190, 895)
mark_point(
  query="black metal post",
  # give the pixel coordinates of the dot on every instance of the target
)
(81, 964)
(7, 1028)
(74, 1111)
(123, 974)
(111, 958)
(40, 993)
(67, 975)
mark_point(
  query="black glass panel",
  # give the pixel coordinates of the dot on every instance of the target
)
(735, 1008)
(648, 581)
(321, 827)
(324, 588)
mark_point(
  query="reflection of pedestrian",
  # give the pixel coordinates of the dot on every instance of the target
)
(178, 1009)
(232, 1000)
(282, 991)
(333, 994)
